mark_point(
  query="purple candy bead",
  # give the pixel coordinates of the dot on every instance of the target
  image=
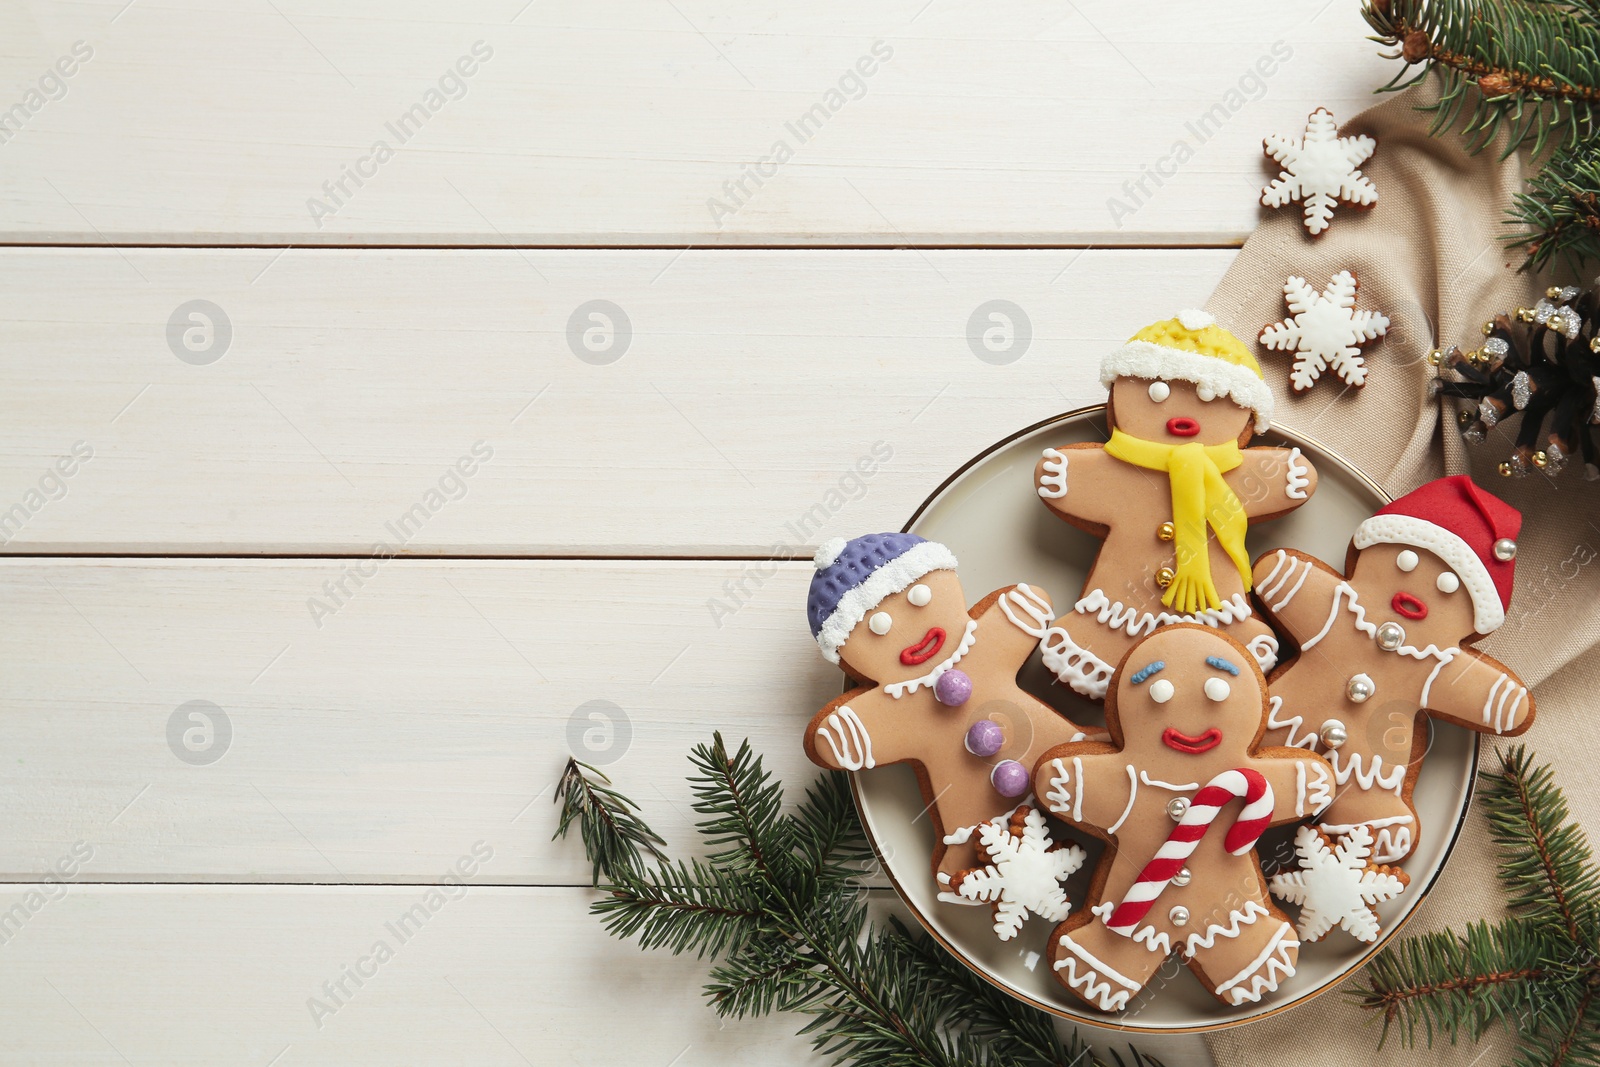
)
(985, 738)
(1010, 778)
(953, 687)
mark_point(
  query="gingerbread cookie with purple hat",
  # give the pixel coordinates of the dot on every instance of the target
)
(939, 692)
(1387, 644)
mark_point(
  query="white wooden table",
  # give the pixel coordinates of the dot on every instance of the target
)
(263, 346)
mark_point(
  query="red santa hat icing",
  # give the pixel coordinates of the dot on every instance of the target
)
(1472, 531)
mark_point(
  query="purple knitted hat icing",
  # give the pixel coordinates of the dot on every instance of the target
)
(853, 577)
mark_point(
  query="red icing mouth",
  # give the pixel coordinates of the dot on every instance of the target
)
(923, 650)
(1182, 742)
(1409, 606)
(1182, 426)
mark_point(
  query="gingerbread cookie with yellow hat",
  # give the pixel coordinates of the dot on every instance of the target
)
(1172, 494)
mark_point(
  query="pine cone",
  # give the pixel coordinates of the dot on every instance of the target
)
(1416, 47)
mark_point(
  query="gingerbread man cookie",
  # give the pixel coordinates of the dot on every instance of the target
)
(1186, 712)
(1172, 494)
(941, 690)
(1382, 648)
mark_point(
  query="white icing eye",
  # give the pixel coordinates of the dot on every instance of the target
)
(1159, 391)
(1448, 582)
(919, 595)
(1406, 561)
(1205, 393)
(1217, 689)
(880, 623)
(1161, 690)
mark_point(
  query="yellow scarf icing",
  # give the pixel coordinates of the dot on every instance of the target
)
(1199, 498)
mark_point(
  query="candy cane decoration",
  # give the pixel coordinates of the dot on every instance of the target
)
(1241, 838)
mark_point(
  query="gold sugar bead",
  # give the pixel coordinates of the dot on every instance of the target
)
(1594, 343)
(1436, 357)
(1164, 576)
(1525, 314)
(1463, 417)
(1488, 328)
(1505, 470)
(1553, 292)
(1541, 460)
(1166, 531)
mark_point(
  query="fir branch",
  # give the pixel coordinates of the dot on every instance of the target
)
(614, 836)
(778, 909)
(1537, 972)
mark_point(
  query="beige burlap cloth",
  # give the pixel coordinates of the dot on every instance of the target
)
(1431, 255)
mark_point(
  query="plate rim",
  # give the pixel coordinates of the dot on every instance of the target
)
(1109, 1022)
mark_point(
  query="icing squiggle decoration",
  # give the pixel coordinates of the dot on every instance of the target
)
(1298, 482)
(1138, 623)
(1264, 972)
(1264, 647)
(1146, 935)
(1502, 713)
(1238, 918)
(853, 751)
(900, 689)
(1032, 605)
(1272, 585)
(1098, 993)
(1366, 777)
(1077, 667)
(1053, 482)
(1306, 741)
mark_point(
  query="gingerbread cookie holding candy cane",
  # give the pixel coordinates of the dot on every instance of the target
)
(1383, 646)
(1182, 792)
(941, 687)
(1172, 494)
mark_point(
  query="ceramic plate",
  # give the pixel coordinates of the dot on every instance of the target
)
(990, 515)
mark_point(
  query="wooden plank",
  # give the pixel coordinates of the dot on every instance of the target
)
(435, 707)
(211, 122)
(344, 386)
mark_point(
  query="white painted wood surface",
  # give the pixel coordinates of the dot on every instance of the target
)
(432, 709)
(752, 385)
(209, 121)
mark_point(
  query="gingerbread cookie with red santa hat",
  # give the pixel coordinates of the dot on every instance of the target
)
(1387, 644)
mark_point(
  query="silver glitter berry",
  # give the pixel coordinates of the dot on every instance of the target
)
(1360, 688)
(1496, 347)
(1474, 434)
(1557, 459)
(1505, 550)
(1568, 294)
(1519, 465)
(1390, 636)
(1542, 311)
(1177, 807)
(1332, 734)
(1521, 390)
(1487, 412)
(1594, 416)
(1179, 916)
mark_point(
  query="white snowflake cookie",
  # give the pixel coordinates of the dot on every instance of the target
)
(1324, 330)
(1024, 873)
(1320, 170)
(1337, 885)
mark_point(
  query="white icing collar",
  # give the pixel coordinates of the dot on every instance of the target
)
(900, 689)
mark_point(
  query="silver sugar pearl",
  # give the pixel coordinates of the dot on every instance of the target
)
(1332, 734)
(1360, 688)
(1505, 550)
(1179, 916)
(1182, 878)
(1391, 635)
(1177, 807)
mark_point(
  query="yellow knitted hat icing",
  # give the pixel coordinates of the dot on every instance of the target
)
(1193, 348)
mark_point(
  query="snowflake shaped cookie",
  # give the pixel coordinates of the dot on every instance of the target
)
(1024, 874)
(1325, 330)
(1336, 885)
(1320, 169)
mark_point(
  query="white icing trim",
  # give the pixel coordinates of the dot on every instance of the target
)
(1133, 791)
(897, 690)
(1058, 797)
(1053, 482)
(1147, 935)
(1487, 611)
(1237, 919)
(1100, 994)
(1366, 777)
(1427, 686)
(1300, 789)
(1264, 647)
(1274, 705)
(1148, 360)
(1032, 604)
(1392, 844)
(1138, 623)
(1338, 829)
(1086, 673)
(1176, 788)
(854, 739)
(1265, 982)
(1347, 592)
(1294, 589)
(884, 582)
(1077, 781)
(1298, 482)
(1318, 793)
(1499, 709)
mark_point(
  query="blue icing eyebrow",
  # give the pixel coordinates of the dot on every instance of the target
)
(1147, 670)
(1221, 664)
